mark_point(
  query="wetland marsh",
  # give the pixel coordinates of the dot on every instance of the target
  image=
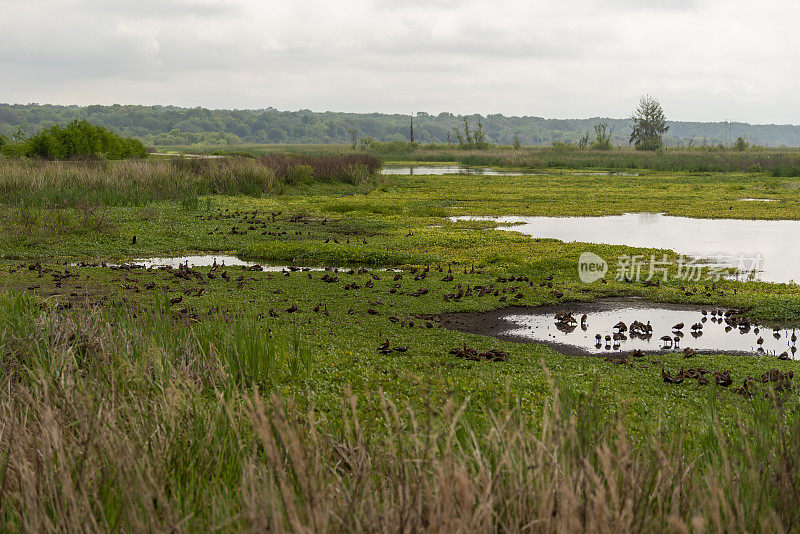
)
(199, 345)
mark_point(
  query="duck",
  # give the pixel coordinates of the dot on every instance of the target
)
(678, 326)
(723, 378)
(667, 376)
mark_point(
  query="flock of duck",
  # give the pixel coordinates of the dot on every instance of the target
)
(732, 319)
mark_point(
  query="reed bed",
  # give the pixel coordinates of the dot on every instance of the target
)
(350, 168)
(138, 181)
(138, 420)
(775, 162)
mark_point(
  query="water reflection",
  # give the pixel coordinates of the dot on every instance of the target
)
(722, 240)
(446, 169)
(625, 327)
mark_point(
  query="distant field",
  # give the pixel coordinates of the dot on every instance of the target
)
(775, 161)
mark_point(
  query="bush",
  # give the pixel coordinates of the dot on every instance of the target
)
(356, 173)
(78, 139)
(324, 168)
(299, 174)
(787, 171)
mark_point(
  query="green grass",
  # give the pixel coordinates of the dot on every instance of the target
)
(186, 379)
(779, 162)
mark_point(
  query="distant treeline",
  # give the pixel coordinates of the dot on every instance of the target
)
(171, 126)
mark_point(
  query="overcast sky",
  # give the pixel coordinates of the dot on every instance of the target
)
(705, 60)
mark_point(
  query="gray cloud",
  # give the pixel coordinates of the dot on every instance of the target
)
(710, 60)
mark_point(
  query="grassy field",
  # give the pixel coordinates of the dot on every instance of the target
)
(192, 399)
(780, 162)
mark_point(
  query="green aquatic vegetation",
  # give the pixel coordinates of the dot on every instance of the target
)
(185, 360)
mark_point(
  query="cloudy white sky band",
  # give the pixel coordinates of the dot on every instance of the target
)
(704, 60)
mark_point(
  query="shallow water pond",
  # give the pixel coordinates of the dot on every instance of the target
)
(736, 243)
(208, 260)
(205, 260)
(439, 170)
(601, 331)
(446, 169)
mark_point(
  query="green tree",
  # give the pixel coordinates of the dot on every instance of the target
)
(602, 136)
(517, 145)
(480, 138)
(741, 145)
(468, 137)
(649, 124)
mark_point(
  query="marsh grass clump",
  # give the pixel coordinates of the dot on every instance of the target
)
(349, 168)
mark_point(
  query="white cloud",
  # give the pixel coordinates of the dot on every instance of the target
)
(710, 60)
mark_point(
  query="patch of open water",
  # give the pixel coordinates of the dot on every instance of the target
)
(736, 243)
(594, 328)
(439, 170)
(410, 170)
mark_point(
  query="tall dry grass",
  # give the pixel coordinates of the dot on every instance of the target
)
(112, 423)
(138, 181)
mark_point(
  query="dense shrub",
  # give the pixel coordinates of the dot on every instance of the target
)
(77, 139)
(299, 174)
(350, 168)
